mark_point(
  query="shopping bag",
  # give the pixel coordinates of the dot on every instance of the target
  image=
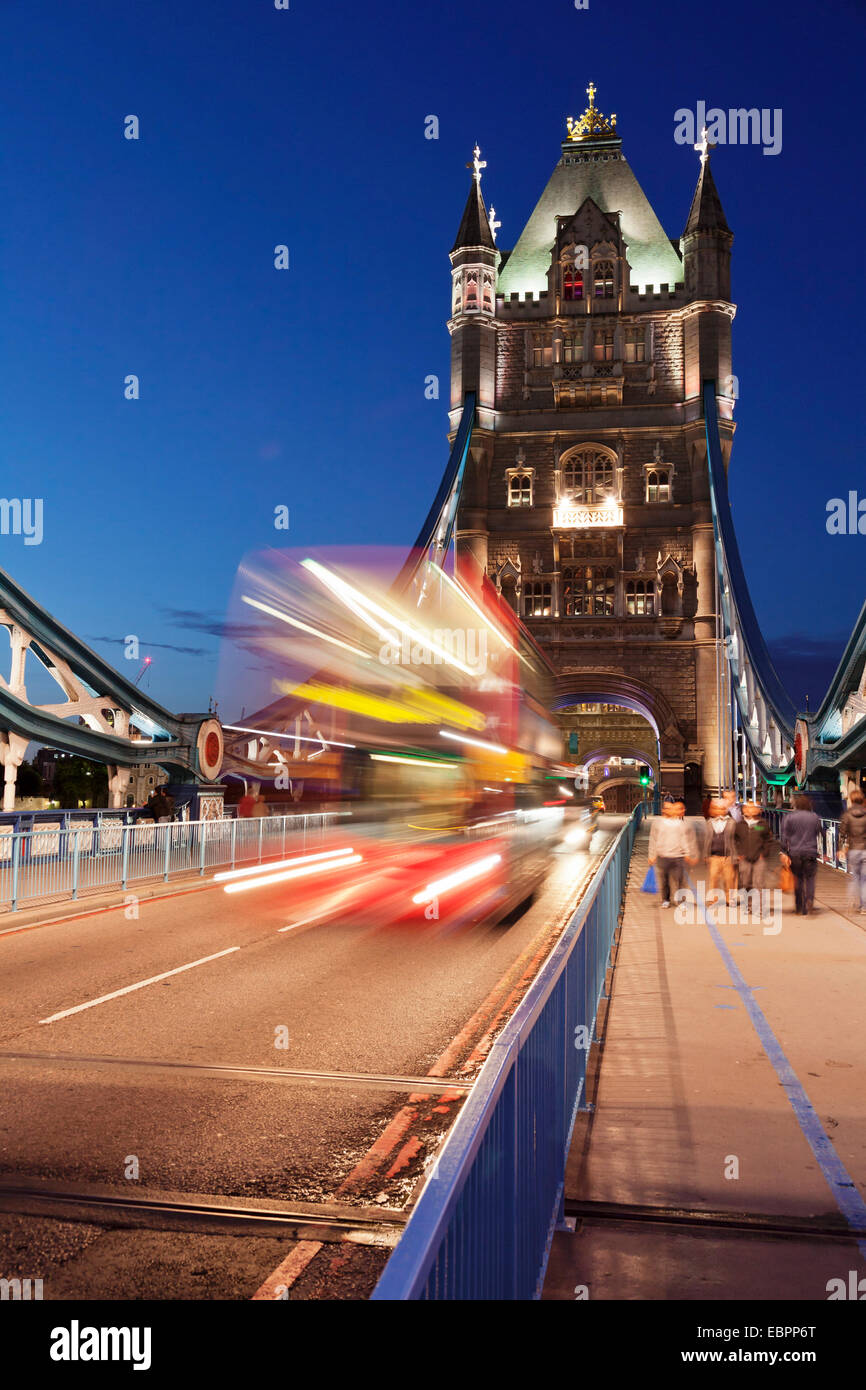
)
(786, 880)
(649, 883)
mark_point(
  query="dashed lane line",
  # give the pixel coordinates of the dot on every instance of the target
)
(128, 989)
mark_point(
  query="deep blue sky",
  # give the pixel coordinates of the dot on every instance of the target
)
(305, 388)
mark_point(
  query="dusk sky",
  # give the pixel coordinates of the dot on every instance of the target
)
(305, 388)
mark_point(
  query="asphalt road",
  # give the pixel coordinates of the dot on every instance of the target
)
(323, 998)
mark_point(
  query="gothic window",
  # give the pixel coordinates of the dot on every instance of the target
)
(488, 293)
(471, 301)
(588, 591)
(603, 280)
(635, 345)
(572, 283)
(587, 475)
(572, 348)
(536, 599)
(542, 352)
(602, 345)
(640, 598)
(658, 485)
(520, 488)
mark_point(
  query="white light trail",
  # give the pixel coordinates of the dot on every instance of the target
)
(472, 871)
(475, 742)
(366, 609)
(303, 872)
(300, 738)
(229, 874)
(305, 627)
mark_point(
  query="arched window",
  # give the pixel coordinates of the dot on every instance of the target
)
(520, 488)
(471, 296)
(572, 283)
(658, 486)
(640, 599)
(588, 591)
(536, 599)
(603, 279)
(587, 475)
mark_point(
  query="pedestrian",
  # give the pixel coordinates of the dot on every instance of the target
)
(732, 806)
(671, 846)
(752, 845)
(161, 808)
(246, 804)
(720, 849)
(260, 807)
(800, 831)
(852, 837)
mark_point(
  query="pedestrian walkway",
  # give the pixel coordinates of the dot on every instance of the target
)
(729, 1082)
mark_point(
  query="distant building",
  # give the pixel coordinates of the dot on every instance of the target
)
(144, 779)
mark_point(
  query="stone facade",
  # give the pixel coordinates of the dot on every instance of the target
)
(586, 498)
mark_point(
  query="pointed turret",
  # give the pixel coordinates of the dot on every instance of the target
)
(707, 239)
(475, 224)
(706, 213)
(474, 262)
(706, 250)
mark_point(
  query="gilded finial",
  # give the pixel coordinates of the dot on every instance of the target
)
(592, 122)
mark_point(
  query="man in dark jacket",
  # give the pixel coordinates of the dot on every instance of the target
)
(752, 843)
(852, 836)
(800, 831)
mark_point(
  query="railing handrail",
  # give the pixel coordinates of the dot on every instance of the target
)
(410, 1264)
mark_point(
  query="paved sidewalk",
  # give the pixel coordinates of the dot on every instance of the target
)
(696, 1109)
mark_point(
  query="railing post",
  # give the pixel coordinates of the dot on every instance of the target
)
(202, 830)
(76, 850)
(124, 869)
(234, 838)
(167, 828)
(283, 846)
(261, 836)
(16, 854)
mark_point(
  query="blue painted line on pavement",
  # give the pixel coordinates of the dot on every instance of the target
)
(836, 1175)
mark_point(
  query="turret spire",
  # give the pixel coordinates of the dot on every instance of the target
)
(475, 227)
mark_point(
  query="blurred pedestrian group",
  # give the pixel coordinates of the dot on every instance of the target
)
(735, 841)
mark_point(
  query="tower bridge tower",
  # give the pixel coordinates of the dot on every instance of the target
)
(586, 496)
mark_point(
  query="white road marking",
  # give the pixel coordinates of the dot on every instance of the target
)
(305, 923)
(128, 989)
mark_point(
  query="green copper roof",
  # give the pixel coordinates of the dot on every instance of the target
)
(602, 174)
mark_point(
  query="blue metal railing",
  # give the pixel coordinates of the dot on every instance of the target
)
(828, 851)
(483, 1224)
(90, 856)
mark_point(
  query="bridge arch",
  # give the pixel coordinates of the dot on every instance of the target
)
(592, 685)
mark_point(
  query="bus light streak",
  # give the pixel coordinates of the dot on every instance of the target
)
(282, 864)
(472, 871)
(267, 879)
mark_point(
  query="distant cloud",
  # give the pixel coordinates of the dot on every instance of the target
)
(150, 646)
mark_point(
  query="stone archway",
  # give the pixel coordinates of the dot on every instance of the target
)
(595, 685)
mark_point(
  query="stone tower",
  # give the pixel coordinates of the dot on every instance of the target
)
(586, 498)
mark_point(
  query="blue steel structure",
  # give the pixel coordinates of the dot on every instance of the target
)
(177, 742)
(765, 713)
(482, 1226)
